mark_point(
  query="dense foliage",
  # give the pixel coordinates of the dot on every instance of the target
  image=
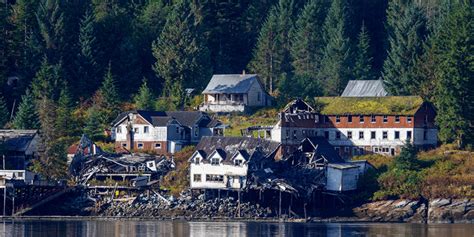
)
(76, 64)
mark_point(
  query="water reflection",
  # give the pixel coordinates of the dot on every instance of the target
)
(124, 228)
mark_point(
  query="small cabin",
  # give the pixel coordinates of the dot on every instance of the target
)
(342, 177)
(234, 93)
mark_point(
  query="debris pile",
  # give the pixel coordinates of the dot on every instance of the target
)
(157, 206)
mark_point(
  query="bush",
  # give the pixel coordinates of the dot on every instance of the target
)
(177, 180)
(399, 183)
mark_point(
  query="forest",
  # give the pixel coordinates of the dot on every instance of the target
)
(69, 67)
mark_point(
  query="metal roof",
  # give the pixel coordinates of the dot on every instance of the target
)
(162, 118)
(364, 88)
(230, 83)
(16, 140)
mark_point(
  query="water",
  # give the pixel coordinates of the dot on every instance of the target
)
(126, 228)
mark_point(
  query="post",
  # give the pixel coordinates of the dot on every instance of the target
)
(238, 192)
(13, 204)
(305, 216)
(279, 206)
(4, 199)
(3, 162)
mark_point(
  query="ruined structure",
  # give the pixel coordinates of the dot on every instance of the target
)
(162, 132)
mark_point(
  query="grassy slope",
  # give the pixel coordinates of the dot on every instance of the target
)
(238, 122)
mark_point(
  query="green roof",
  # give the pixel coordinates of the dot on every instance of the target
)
(387, 105)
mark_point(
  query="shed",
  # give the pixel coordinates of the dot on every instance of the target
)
(364, 88)
(342, 177)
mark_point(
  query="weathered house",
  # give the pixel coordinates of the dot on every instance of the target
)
(224, 162)
(162, 132)
(234, 93)
(359, 125)
(17, 148)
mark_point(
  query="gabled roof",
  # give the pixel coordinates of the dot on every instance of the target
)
(16, 140)
(364, 88)
(197, 152)
(162, 118)
(231, 145)
(243, 153)
(323, 148)
(298, 105)
(388, 105)
(230, 83)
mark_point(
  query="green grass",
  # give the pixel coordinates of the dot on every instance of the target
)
(263, 117)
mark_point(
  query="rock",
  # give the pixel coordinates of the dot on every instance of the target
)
(439, 202)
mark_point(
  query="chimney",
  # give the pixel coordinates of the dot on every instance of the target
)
(243, 72)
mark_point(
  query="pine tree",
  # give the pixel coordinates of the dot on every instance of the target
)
(182, 55)
(144, 100)
(48, 81)
(307, 41)
(272, 59)
(454, 50)
(4, 114)
(363, 65)
(109, 91)
(3, 44)
(65, 120)
(336, 67)
(407, 30)
(87, 63)
(51, 25)
(94, 127)
(27, 116)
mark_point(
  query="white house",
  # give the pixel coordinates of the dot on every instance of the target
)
(224, 162)
(162, 132)
(234, 93)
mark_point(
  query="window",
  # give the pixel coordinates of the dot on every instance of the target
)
(408, 135)
(119, 129)
(140, 145)
(145, 129)
(238, 162)
(373, 119)
(346, 150)
(196, 131)
(385, 135)
(338, 135)
(361, 118)
(426, 119)
(287, 133)
(326, 135)
(197, 161)
(157, 145)
(136, 130)
(409, 119)
(361, 135)
(397, 135)
(215, 161)
(177, 129)
(294, 134)
(361, 151)
(397, 118)
(197, 177)
(214, 178)
(124, 144)
(349, 118)
(372, 135)
(325, 119)
(425, 135)
(385, 119)
(338, 149)
(338, 119)
(376, 149)
(349, 134)
(355, 151)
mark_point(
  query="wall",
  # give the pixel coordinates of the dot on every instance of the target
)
(253, 93)
(341, 179)
(222, 169)
(222, 108)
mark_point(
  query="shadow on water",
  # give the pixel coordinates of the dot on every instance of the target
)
(126, 228)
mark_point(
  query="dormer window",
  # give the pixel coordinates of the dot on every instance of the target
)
(119, 129)
(215, 161)
(238, 162)
(338, 119)
(197, 160)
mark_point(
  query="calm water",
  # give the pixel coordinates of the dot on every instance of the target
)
(209, 229)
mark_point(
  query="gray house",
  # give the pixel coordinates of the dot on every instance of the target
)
(234, 93)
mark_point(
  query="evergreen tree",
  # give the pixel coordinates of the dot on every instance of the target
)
(48, 81)
(336, 67)
(363, 65)
(4, 114)
(181, 54)
(65, 120)
(144, 100)
(406, 32)
(87, 63)
(109, 91)
(272, 59)
(93, 127)
(307, 41)
(3, 44)
(27, 116)
(51, 26)
(454, 50)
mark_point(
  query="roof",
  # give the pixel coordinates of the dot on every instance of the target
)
(16, 140)
(230, 83)
(388, 105)
(231, 145)
(343, 166)
(162, 118)
(323, 148)
(364, 88)
(298, 105)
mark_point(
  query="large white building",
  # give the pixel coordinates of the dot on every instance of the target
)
(224, 162)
